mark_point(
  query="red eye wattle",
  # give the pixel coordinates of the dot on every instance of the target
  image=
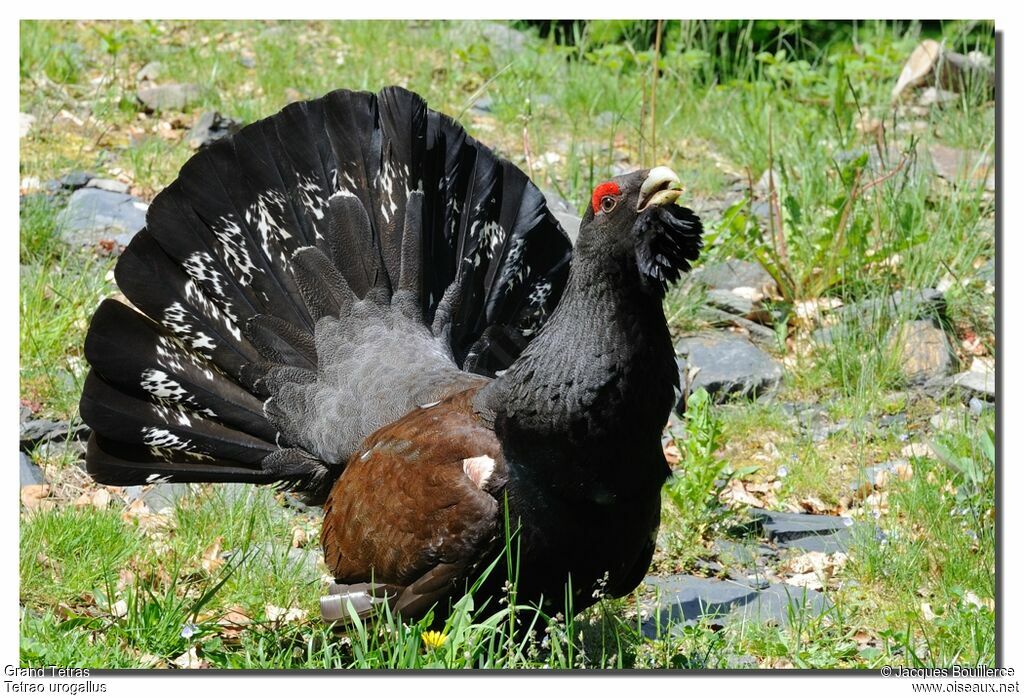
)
(603, 190)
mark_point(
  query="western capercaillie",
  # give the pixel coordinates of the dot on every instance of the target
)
(356, 300)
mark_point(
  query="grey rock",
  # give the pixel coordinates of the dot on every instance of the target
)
(247, 60)
(171, 97)
(34, 431)
(910, 305)
(556, 202)
(729, 366)
(502, 36)
(150, 71)
(811, 532)
(868, 476)
(210, 128)
(93, 215)
(605, 119)
(976, 407)
(108, 185)
(483, 105)
(159, 496)
(735, 273)
(925, 350)
(684, 600)
(28, 472)
(731, 302)
(25, 122)
(979, 384)
(76, 180)
(967, 166)
(570, 224)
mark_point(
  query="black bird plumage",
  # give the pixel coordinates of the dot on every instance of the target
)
(357, 300)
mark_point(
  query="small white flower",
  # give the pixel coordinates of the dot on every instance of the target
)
(188, 630)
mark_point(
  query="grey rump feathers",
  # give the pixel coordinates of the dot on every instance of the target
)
(307, 281)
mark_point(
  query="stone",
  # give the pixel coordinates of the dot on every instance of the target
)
(605, 119)
(925, 350)
(556, 202)
(29, 473)
(570, 224)
(729, 366)
(502, 36)
(933, 95)
(908, 304)
(729, 302)
(150, 71)
(25, 122)
(34, 431)
(684, 600)
(963, 166)
(159, 496)
(810, 532)
(976, 407)
(94, 215)
(108, 185)
(878, 475)
(210, 128)
(483, 105)
(979, 381)
(76, 180)
(171, 97)
(735, 273)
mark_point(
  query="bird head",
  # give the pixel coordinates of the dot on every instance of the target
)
(637, 214)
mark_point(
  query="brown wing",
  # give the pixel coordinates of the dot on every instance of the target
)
(414, 511)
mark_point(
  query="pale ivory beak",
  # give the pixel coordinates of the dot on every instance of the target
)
(661, 187)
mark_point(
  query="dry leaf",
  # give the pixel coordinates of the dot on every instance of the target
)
(672, 454)
(927, 612)
(190, 660)
(100, 498)
(35, 497)
(286, 615)
(972, 598)
(918, 450)
(813, 505)
(299, 538)
(119, 609)
(736, 492)
(211, 556)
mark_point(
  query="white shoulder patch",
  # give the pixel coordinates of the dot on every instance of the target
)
(478, 469)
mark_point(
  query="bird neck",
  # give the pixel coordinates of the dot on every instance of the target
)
(594, 389)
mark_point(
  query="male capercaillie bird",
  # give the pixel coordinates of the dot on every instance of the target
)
(356, 300)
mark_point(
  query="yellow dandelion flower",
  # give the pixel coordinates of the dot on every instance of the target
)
(432, 639)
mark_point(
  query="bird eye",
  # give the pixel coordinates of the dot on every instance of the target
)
(607, 204)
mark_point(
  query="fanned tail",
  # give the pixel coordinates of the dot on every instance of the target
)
(307, 281)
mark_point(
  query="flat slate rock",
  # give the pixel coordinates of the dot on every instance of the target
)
(93, 215)
(810, 532)
(210, 128)
(684, 600)
(28, 472)
(730, 366)
(33, 431)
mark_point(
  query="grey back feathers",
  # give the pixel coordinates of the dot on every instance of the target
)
(307, 281)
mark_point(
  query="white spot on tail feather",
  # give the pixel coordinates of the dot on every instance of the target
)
(478, 469)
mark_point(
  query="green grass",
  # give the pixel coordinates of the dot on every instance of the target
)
(733, 99)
